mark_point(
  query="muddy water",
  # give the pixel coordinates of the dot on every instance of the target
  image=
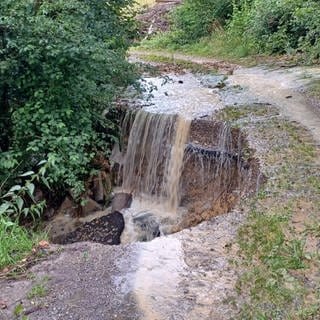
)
(152, 170)
(188, 275)
(173, 173)
(157, 280)
(154, 159)
(280, 88)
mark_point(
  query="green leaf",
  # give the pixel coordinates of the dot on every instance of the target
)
(20, 203)
(14, 188)
(26, 211)
(41, 163)
(30, 187)
(45, 182)
(8, 223)
(27, 174)
(4, 207)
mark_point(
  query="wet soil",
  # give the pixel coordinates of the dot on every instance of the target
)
(182, 276)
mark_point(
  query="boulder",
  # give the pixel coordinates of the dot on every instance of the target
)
(68, 207)
(90, 206)
(147, 226)
(105, 230)
(101, 187)
(121, 201)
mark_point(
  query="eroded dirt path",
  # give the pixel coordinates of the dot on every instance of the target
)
(281, 89)
(278, 86)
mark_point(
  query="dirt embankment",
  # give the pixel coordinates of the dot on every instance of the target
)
(155, 19)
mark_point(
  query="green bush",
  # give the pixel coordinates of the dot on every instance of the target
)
(286, 26)
(197, 18)
(62, 63)
(244, 27)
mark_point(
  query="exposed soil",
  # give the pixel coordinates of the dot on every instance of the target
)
(155, 18)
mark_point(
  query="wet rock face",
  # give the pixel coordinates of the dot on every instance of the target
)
(217, 135)
(215, 174)
(106, 230)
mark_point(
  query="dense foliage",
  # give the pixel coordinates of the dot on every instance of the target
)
(287, 26)
(62, 63)
(247, 26)
(196, 18)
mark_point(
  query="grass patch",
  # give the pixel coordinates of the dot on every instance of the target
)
(179, 63)
(218, 46)
(16, 242)
(233, 114)
(39, 290)
(314, 89)
(277, 247)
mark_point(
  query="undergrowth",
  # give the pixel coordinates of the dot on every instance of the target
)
(237, 29)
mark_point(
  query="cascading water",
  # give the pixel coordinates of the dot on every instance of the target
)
(180, 173)
(181, 166)
(152, 171)
(154, 157)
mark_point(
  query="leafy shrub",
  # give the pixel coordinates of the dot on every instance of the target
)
(285, 26)
(62, 63)
(249, 27)
(197, 18)
(20, 200)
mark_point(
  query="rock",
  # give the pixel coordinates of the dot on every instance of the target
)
(213, 81)
(90, 206)
(121, 201)
(97, 188)
(148, 226)
(3, 305)
(68, 207)
(105, 230)
(212, 153)
(116, 174)
(101, 187)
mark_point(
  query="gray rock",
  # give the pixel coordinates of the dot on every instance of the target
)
(148, 226)
(213, 81)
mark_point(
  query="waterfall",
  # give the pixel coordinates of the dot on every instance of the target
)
(154, 158)
(180, 172)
